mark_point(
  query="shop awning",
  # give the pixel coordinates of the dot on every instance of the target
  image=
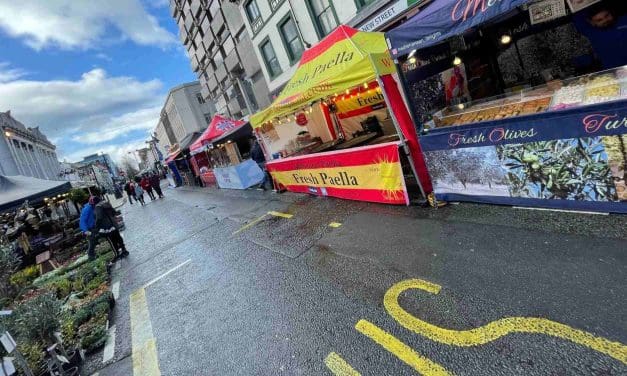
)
(219, 125)
(172, 156)
(342, 60)
(443, 19)
(14, 190)
(244, 131)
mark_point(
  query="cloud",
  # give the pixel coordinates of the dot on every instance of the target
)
(10, 74)
(117, 152)
(61, 105)
(71, 24)
(118, 126)
(103, 56)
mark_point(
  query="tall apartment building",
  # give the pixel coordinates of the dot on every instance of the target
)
(222, 55)
(26, 151)
(184, 112)
(104, 161)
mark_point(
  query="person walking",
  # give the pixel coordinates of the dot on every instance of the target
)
(130, 191)
(139, 194)
(87, 225)
(147, 187)
(107, 226)
(256, 154)
(155, 182)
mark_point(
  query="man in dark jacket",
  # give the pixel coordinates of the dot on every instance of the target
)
(256, 154)
(107, 226)
(147, 187)
(129, 191)
(155, 183)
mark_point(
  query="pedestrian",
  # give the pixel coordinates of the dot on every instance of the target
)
(155, 182)
(139, 194)
(107, 226)
(146, 186)
(256, 154)
(130, 191)
(87, 224)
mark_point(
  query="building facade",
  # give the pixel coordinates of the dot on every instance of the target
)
(222, 55)
(26, 151)
(185, 112)
(102, 160)
(282, 29)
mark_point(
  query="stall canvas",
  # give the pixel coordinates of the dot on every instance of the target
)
(345, 94)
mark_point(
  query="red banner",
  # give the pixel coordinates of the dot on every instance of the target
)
(370, 173)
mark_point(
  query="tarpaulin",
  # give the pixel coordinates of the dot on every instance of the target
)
(342, 60)
(371, 173)
(219, 125)
(443, 19)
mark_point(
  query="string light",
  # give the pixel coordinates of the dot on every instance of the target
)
(347, 91)
(365, 85)
(457, 60)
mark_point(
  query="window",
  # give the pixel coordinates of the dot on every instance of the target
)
(363, 3)
(254, 16)
(269, 57)
(199, 98)
(208, 118)
(274, 4)
(291, 39)
(323, 16)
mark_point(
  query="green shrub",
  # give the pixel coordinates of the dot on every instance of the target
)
(96, 338)
(25, 277)
(62, 287)
(8, 265)
(79, 196)
(38, 318)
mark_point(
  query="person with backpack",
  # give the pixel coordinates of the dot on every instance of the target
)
(130, 191)
(147, 187)
(139, 194)
(106, 226)
(155, 182)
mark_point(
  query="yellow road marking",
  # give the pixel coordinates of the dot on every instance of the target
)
(335, 224)
(254, 222)
(338, 366)
(405, 353)
(279, 214)
(494, 329)
(145, 358)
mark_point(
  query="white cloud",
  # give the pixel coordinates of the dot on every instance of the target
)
(9, 74)
(61, 105)
(83, 24)
(116, 151)
(118, 126)
(103, 56)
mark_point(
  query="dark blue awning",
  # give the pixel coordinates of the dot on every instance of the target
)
(443, 19)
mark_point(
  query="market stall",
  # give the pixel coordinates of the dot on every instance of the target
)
(14, 190)
(514, 101)
(220, 155)
(178, 163)
(340, 126)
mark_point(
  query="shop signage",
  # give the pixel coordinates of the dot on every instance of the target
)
(569, 159)
(388, 14)
(370, 173)
(360, 104)
(301, 119)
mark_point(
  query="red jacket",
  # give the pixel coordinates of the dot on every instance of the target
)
(145, 184)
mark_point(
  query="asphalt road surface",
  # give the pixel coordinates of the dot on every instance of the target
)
(226, 282)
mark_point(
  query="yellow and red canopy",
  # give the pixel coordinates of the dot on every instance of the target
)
(342, 60)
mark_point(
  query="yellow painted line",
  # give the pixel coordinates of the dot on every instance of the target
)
(494, 329)
(338, 366)
(144, 345)
(279, 214)
(405, 353)
(335, 224)
(250, 224)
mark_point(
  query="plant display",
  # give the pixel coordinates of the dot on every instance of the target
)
(25, 277)
(9, 263)
(573, 169)
(37, 318)
(616, 149)
(78, 195)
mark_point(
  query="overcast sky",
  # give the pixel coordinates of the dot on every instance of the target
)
(92, 75)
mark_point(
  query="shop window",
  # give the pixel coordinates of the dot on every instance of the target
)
(254, 15)
(208, 118)
(363, 3)
(323, 16)
(270, 59)
(291, 39)
(275, 4)
(199, 98)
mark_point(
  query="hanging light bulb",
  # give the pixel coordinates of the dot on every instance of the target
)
(412, 60)
(347, 91)
(457, 60)
(505, 39)
(365, 85)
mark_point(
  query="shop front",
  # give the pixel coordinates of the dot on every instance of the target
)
(340, 127)
(221, 155)
(519, 102)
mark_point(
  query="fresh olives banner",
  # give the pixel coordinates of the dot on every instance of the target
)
(370, 173)
(570, 159)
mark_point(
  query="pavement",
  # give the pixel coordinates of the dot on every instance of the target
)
(224, 282)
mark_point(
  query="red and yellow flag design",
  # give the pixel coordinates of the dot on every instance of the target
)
(371, 173)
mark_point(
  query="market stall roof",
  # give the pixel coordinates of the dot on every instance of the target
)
(172, 156)
(342, 60)
(219, 125)
(14, 190)
(442, 19)
(241, 132)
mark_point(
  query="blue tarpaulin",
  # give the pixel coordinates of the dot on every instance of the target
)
(443, 19)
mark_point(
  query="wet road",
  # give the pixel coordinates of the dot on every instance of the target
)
(253, 283)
